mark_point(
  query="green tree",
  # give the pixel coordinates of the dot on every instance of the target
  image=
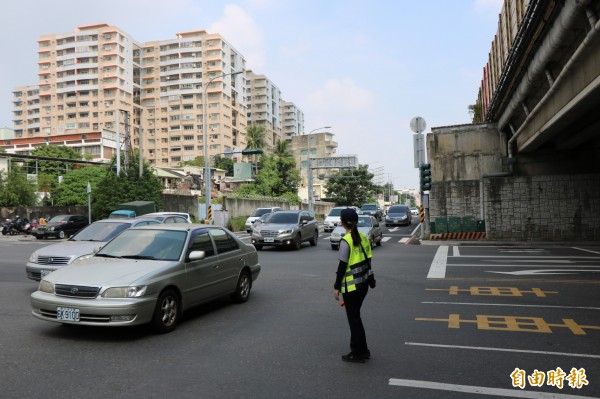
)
(73, 189)
(282, 149)
(16, 189)
(276, 177)
(113, 190)
(351, 187)
(255, 137)
(48, 171)
(224, 163)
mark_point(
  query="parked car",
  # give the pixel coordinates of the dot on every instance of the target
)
(414, 211)
(170, 217)
(61, 226)
(286, 228)
(332, 220)
(373, 210)
(149, 274)
(82, 245)
(258, 212)
(398, 214)
(367, 224)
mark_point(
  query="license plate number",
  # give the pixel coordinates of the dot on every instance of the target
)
(269, 239)
(67, 314)
(44, 273)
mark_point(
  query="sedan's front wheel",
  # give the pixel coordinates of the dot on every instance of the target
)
(315, 239)
(242, 291)
(167, 312)
(61, 234)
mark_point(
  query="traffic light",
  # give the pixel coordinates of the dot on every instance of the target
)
(425, 176)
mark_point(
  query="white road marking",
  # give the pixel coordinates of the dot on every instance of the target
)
(512, 305)
(404, 240)
(438, 265)
(512, 393)
(529, 257)
(587, 250)
(537, 272)
(484, 348)
(521, 250)
(515, 265)
(386, 239)
(455, 251)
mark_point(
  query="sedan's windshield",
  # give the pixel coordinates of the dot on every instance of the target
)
(369, 207)
(58, 219)
(146, 244)
(283, 218)
(398, 209)
(102, 232)
(365, 221)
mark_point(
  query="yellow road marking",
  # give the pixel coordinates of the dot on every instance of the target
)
(493, 291)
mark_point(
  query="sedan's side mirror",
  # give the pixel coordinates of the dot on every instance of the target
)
(196, 255)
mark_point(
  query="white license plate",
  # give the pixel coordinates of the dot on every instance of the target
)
(67, 314)
(269, 239)
(44, 273)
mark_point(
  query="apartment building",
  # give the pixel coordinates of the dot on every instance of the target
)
(292, 120)
(175, 76)
(264, 107)
(97, 79)
(85, 78)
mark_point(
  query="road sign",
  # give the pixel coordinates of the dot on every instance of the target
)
(417, 124)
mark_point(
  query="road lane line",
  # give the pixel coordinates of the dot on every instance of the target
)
(518, 265)
(587, 250)
(511, 393)
(485, 348)
(455, 251)
(386, 239)
(438, 265)
(514, 305)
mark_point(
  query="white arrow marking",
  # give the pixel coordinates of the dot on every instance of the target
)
(546, 271)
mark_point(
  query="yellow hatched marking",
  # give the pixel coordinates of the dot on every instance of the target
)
(515, 324)
(493, 291)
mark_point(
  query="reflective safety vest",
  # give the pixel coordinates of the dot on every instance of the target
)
(357, 270)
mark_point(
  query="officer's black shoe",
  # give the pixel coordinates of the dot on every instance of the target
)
(353, 358)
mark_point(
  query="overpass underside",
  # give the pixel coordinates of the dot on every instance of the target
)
(549, 112)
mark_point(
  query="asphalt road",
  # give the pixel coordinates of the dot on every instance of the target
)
(441, 323)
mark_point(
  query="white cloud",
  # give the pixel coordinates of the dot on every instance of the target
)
(242, 31)
(344, 95)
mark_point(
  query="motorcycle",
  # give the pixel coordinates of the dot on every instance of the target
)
(7, 227)
(16, 226)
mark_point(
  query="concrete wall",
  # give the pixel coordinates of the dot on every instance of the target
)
(245, 206)
(469, 160)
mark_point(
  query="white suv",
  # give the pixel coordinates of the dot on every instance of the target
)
(332, 220)
(258, 212)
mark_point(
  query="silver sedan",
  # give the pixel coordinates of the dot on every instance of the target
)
(149, 274)
(367, 225)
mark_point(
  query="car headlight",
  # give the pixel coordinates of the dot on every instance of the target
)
(285, 231)
(46, 286)
(125, 292)
(33, 258)
(51, 228)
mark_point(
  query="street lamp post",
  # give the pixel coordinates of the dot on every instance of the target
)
(207, 182)
(309, 175)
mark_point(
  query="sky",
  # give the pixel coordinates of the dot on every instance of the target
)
(365, 68)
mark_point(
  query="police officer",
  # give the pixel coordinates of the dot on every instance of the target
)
(353, 279)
